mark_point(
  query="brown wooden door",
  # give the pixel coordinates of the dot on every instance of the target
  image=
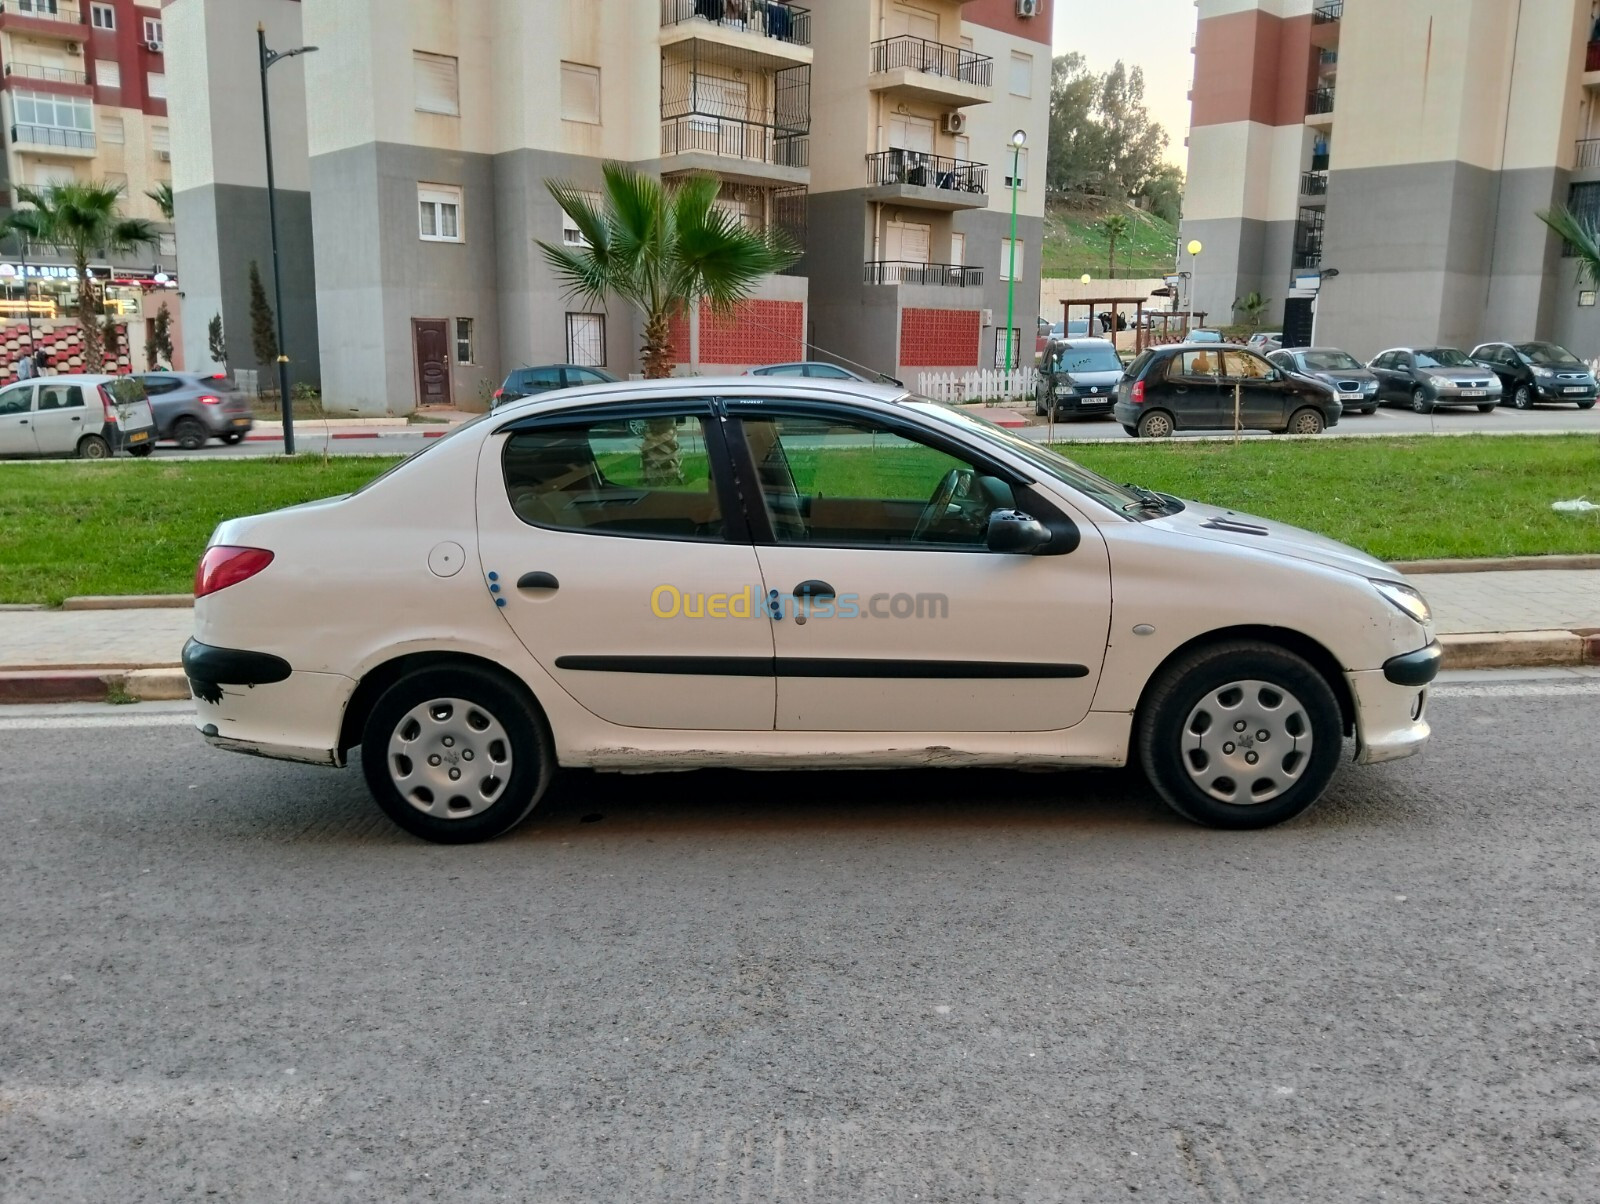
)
(431, 336)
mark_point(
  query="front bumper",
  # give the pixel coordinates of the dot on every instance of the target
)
(1085, 403)
(1392, 718)
(1491, 397)
(1557, 392)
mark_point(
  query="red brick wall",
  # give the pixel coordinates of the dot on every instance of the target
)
(939, 338)
(63, 343)
(757, 332)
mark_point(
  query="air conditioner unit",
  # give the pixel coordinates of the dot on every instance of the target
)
(1028, 8)
(164, 155)
(955, 122)
(986, 317)
(157, 47)
(74, 49)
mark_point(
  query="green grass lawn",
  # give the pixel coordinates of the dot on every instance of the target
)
(1075, 243)
(130, 527)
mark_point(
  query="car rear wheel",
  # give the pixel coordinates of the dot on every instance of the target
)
(456, 755)
(1420, 402)
(93, 447)
(232, 437)
(190, 434)
(1522, 399)
(1157, 424)
(1306, 422)
(142, 450)
(1241, 734)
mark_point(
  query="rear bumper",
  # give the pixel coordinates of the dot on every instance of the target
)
(1391, 719)
(255, 703)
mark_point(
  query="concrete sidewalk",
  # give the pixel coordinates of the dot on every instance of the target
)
(1507, 619)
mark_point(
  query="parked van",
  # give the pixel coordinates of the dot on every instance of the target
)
(91, 417)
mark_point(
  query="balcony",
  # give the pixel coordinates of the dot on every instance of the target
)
(1319, 106)
(779, 34)
(900, 271)
(918, 69)
(746, 152)
(49, 75)
(927, 181)
(1326, 18)
(1587, 157)
(44, 18)
(53, 140)
(1313, 187)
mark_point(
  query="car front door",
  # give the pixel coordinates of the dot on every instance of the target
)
(60, 418)
(16, 420)
(618, 555)
(1384, 368)
(1193, 390)
(1261, 393)
(889, 612)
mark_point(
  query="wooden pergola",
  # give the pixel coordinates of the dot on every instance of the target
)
(1142, 336)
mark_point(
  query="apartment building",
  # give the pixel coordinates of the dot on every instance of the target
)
(83, 89)
(1376, 168)
(413, 147)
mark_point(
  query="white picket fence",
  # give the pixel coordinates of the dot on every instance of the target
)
(980, 384)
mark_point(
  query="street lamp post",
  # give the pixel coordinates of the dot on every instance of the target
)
(1018, 140)
(1194, 248)
(269, 57)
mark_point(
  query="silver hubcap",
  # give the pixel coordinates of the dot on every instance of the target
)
(450, 759)
(1158, 427)
(1247, 742)
(1306, 424)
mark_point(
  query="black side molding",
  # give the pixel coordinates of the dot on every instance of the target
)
(205, 665)
(1414, 668)
(830, 667)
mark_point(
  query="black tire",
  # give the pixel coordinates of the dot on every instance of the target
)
(1522, 398)
(1176, 697)
(1368, 410)
(1038, 408)
(1419, 401)
(190, 434)
(93, 447)
(1586, 405)
(527, 746)
(143, 450)
(1306, 421)
(1157, 424)
(1131, 429)
(1487, 407)
(232, 438)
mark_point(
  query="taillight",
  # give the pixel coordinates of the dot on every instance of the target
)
(1138, 392)
(209, 400)
(499, 393)
(108, 405)
(223, 566)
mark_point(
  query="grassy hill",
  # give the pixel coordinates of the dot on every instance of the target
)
(1074, 243)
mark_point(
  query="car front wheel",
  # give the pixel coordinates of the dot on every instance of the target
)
(232, 437)
(1420, 402)
(1240, 734)
(456, 755)
(1306, 422)
(1522, 399)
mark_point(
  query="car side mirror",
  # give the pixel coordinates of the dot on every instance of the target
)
(1014, 533)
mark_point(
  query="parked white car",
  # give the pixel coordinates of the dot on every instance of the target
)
(791, 573)
(91, 417)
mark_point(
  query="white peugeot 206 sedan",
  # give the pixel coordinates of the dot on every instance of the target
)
(762, 573)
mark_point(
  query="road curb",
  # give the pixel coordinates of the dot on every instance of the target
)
(1519, 649)
(1496, 564)
(155, 685)
(54, 685)
(129, 602)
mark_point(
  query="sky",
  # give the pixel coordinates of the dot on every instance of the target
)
(1153, 34)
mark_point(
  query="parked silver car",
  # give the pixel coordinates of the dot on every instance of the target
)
(91, 417)
(191, 408)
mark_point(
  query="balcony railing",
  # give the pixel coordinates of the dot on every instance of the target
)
(50, 135)
(900, 271)
(734, 139)
(1327, 11)
(927, 171)
(933, 58)
(1314, 183)
(44, 10)
(768, 18)
(1591, 60)
(55, 75)
(1320, 100)
(1588, 156)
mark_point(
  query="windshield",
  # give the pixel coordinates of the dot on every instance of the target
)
(1330, 361)
(1088, 359)
(1442, 357)
(1125, 499)
(1548, 355)
(1206, 336)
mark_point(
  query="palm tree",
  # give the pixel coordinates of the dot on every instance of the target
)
(1116, 227)
(161, 194)
(81, 218)
(1252, 307)
(1582, 235)
(661, 247)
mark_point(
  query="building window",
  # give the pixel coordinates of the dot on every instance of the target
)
(437, 79)
(586, 340)
(167, 244)
(152, 31)
(580, 93)
(156, 85)
(118, 180)
(47, 111)
(113, 130)
(160, 138)
(571, 236)
(1005, 260)
(102, 16)
(1021, 161)
(440, 206)
(463, 340)
(1586, 297)
(1021, 74)
(108, 73)
(1001, 349)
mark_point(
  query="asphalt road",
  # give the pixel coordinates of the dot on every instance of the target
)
(232, 979)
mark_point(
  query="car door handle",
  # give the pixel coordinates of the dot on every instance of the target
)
(538, 581)
(1181, 389)
(814, 589)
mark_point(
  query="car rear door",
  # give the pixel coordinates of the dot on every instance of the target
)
(615, 547)
(60, 418)
(1192, 390)
(16, 420)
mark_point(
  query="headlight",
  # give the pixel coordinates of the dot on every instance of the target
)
(1370, 388)
(1066, 390)
(1404, 598)
(1544, 373)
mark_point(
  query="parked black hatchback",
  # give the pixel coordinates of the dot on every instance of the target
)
(1193, 388)
(1534, 372)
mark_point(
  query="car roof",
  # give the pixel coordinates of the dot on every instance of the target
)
(1086, 344)
(623, 391)
(77, 378)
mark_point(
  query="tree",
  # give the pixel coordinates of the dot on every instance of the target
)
(661, 248)
(1164, 193)
(1135, 143)
(1252, 307)
(263, 332)
(218, 345)
(1116, 227)
(158, 342)
(1582, 235)
(161, 194)
(1076, 161)
(80, 218)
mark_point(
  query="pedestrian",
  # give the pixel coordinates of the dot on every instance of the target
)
(41, 364)
(24, 368)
